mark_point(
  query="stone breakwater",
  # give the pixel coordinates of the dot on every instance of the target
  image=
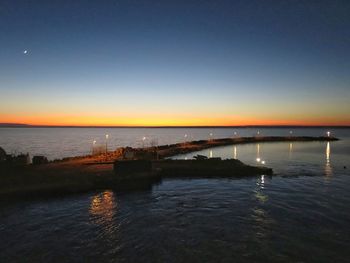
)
(86, 173)
(164, 151)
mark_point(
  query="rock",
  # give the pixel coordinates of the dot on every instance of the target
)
(200, 157)
(2, 155)
(22, 159)
(128, 168)
(39, 159)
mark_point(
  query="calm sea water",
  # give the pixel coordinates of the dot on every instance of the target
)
(301, 215)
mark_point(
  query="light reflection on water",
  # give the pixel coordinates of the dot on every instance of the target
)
(328, 168)
(290, 150)
(102, 207)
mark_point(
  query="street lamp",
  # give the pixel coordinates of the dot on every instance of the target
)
(106, 142)
(185, 138)
(143, 141)
(93, 147)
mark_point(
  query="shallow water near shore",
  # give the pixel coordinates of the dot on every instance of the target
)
(301, 215)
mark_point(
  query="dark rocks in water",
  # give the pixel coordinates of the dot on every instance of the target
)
(200, 157)
(212, 167)
(124, 168)
(39, 159)
(2, 155)
(344, 167)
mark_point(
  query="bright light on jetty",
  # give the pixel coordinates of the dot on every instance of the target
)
(106, 143)
(185, 135)
(93, 147)
(290, 132)
(143, 141)
(258, 160)
(262, 162)
(328, 133)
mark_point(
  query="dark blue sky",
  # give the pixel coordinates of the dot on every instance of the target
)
(212, 62)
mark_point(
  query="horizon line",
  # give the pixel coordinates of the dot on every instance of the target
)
(21, 125)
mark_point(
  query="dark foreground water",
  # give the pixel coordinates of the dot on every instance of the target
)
(301, 215)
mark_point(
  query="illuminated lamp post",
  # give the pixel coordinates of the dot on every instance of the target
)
(106, 143)
(93, 147)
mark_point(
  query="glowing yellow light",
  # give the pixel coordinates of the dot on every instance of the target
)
(107, 136)
(258, 160)
(262, 162)
(328, 152)
(328, 133)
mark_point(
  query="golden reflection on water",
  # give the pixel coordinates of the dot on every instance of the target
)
(328, 168)
(290, 149)
(102, 207)
(328, 153)
(234, 152)
(262, 219)
(210, 154)
(259, 194)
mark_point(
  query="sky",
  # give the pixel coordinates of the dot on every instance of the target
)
(168, 63)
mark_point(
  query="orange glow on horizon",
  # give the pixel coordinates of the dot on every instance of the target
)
(173, 120)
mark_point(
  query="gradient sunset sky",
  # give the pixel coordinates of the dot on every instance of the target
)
(175, 62)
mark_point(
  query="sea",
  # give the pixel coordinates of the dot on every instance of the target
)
(301, 214)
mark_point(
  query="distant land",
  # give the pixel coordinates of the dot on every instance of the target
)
(14, 125)
(22, 125)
